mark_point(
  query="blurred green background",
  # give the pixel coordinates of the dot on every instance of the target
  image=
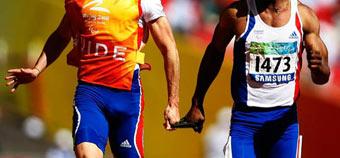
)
(25, 25)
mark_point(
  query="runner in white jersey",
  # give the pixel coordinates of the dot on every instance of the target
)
(268, 75)
(270, 38)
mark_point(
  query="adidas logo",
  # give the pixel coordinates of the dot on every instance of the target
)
(125, 144)
(293, 35)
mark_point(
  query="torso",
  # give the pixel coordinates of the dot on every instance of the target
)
(270, 19)
(267, 56)
(107, 36)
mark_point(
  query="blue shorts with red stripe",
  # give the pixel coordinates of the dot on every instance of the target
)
(102, 113)
(263, 132)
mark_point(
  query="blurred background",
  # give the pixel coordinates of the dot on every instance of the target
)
(35, 122)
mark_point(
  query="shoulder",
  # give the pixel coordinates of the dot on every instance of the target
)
(309, 19)
(152, 9)
(235, 16)
(235, 10)
(149, 4)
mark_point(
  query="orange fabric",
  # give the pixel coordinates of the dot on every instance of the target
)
(106, 38)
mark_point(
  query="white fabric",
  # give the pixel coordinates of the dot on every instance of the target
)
(152, 9)
(260, 92)
(227, 149)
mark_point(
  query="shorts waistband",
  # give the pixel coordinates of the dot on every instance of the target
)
(244, 107)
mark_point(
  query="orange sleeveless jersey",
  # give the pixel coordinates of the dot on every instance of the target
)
(106, 36)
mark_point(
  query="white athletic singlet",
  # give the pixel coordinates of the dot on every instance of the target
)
(267, 61)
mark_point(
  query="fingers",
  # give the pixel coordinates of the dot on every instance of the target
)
(167, 120)
(14, 87)
(314, 55)
(314, 61)
(24, 70)
(10, 77)
(314, 47)
(166, 123)
(171, 116)
(167, 126)
(21, 70)
(11, 82)
(14, 71)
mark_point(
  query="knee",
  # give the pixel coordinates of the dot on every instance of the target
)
(88, 150)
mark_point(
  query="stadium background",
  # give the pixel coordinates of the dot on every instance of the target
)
(25, 25)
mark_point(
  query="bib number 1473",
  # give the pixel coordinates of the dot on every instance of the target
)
(273, 64)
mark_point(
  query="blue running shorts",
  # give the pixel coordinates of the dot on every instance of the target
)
(102, 113)
(263, 132)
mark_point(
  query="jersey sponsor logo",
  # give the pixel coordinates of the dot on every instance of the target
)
(125, 144)
(273, 78)
(273, 48)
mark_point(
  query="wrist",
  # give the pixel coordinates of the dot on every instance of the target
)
(37, 70)
(195, 100)
(173, 101)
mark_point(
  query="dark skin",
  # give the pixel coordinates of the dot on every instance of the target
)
(275, 13)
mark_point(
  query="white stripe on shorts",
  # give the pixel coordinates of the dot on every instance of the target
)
(227, 149)
(78, 121)
(299, 147)
(139, 115)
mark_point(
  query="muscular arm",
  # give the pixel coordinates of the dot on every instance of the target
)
(317, 54)
(54, 46)
(214, 55)
(162, 35)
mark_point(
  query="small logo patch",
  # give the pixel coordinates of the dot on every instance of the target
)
(125, 144)
(293, 35)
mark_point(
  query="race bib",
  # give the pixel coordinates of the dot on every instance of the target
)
(271, 62)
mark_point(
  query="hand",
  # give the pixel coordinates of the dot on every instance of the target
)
(171, 116)
(21, 76)
(317, 57)
(193, 119)
(314, 57)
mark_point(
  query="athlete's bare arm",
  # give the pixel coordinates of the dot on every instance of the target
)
(162, 34)
(210, 65)
(214, 54)
(54, 46)
(317, 54)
